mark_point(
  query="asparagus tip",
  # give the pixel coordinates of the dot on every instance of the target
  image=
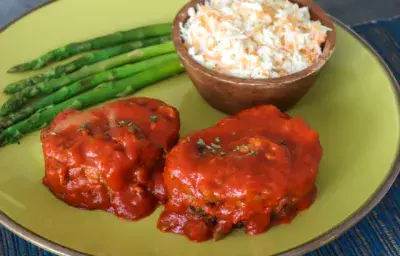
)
(15, 69)
(9, 90)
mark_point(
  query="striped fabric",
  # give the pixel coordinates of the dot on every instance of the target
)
(377, 234)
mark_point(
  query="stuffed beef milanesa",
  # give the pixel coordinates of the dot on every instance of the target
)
(253, 170)
(111, 158)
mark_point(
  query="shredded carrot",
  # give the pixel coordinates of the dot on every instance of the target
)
(238, 30)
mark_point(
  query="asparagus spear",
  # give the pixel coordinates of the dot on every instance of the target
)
(84, 85)
(44, 88)
(86, 60)
(100, 94)
(69, 50)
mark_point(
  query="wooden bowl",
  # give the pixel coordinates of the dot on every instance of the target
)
(231, 94)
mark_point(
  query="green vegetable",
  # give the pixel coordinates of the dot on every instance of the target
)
(86, 84)
(153, 118)
(215, 146)
(132, 127)
(200, 142)
(83, 127)
(100, 94)
(113, 39)
(124, 123)
(45, 88)
(86, 60)
(252, 153)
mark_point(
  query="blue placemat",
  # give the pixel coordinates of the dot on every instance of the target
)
(377, 234)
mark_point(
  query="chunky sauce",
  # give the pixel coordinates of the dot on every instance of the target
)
(111, 158)
(250, 171)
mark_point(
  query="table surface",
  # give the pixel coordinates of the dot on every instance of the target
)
(348, 11)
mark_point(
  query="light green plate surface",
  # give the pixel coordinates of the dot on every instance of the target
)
(353, 106)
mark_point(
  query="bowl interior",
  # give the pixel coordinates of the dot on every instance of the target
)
(316, 14)
(352, 93)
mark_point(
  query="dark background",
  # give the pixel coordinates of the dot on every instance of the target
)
(348, 11)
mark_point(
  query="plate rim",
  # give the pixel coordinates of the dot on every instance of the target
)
(301, 249)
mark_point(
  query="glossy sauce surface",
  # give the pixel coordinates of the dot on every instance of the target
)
(253, 170)
(111, 158)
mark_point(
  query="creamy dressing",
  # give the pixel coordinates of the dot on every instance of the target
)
(253, 38)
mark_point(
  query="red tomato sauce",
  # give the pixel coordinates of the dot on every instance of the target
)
(251, 171)
(111, 158)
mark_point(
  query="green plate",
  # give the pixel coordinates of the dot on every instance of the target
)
(354, 107)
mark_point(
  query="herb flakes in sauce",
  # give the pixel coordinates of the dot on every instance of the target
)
(245, 149)
(132, 127)
(197, 210)
(153, 118)
(123, 123)
(83, 127)
(201, 146)
(215, 146)
(252, 153)
(211, 204)
(200, 142)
